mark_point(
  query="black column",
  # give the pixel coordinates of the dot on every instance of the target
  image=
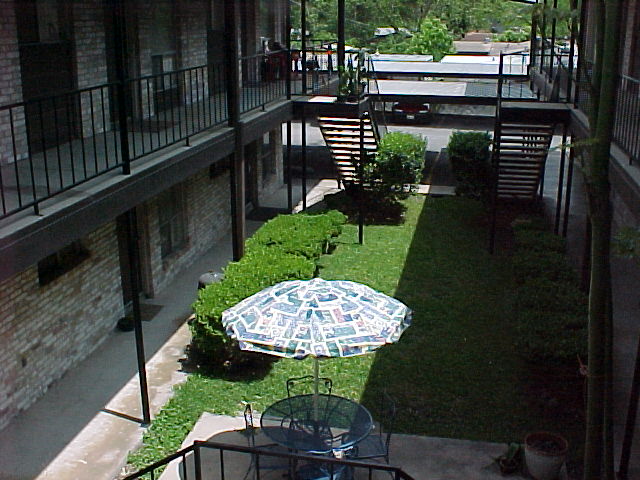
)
(303, 48)
(119, 41)
(341, 33)
(134, 272)
(237, 185)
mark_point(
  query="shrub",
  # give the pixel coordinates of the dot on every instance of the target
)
(551, 266)
(378, 208)
(471, 163)
(550, 308)
(542, 295)
(536, 241)
(302, 234)
(556, 338)
(398, 162)
(256, 270)
(282, 249)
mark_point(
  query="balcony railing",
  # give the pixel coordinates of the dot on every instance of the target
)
(626, 130)
(209, 460)
(52, 144)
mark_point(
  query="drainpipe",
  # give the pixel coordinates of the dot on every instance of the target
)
(237, 177)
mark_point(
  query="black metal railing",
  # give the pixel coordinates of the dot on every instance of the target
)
(263, 78)
(168, 108)
(52, 144)
(626, 129)
(210, 460)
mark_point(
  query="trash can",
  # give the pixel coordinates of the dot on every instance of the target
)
(209, 278)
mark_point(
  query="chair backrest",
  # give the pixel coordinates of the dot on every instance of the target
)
(388, 413)
(249, 429)
(305, 385)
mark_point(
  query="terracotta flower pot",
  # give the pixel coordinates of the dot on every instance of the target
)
(544, 454)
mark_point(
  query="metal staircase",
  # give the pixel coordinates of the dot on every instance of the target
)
(346, 138)
(519, 156)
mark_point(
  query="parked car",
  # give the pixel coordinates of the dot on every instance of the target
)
(410, 112)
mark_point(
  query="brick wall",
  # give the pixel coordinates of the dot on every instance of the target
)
(270, 184)
(91, 64)
(208, 216)
(45, 330)
(10, 86)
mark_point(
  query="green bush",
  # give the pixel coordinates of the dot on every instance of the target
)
(550, 309)
(471, 163)
(398, 162)
(302, 234)
(282, 249)
(551, 266)
(554, 338)
(542, 295)
(255, 271)
(536, 241)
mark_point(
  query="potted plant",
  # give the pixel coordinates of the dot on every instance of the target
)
(352, 79)
(510, 461)
(544, 454)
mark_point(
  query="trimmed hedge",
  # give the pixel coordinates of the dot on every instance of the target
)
(282, 249)
(551, 310)
(299, 234)
(470, 159)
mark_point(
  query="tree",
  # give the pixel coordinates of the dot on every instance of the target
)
(433, 38)
(596, 168)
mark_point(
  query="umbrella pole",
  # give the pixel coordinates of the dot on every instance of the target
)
(316, 380)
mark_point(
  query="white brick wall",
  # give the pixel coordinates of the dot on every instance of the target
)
(45, 330)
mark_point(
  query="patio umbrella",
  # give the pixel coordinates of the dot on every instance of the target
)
(318, 318)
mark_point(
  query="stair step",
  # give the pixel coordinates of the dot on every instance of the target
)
(520, 140)
(340, 133)
(527, 126)
(526, 157)
(343, 119)
(355, 126)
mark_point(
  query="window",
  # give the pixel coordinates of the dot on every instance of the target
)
(61, 262)
(172, 221)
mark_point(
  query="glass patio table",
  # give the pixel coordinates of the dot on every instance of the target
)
(318, 424)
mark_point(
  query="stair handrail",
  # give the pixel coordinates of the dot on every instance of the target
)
(377, 127)
(195, 450)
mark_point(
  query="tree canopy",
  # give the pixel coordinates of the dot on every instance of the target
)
(364, 16)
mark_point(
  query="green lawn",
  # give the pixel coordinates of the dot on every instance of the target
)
(455, 371)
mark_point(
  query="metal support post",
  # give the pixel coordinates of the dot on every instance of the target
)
(119, 38)
(567, 200)
(361, 184)
(238, 227)
(288, 170)
(563, 156)
(134, 275)
(303, 46)
(341, 13)
(303, 127)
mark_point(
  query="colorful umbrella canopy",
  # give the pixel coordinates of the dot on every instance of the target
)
(319, 318)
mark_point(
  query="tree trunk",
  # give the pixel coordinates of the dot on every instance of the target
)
(600, 211)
